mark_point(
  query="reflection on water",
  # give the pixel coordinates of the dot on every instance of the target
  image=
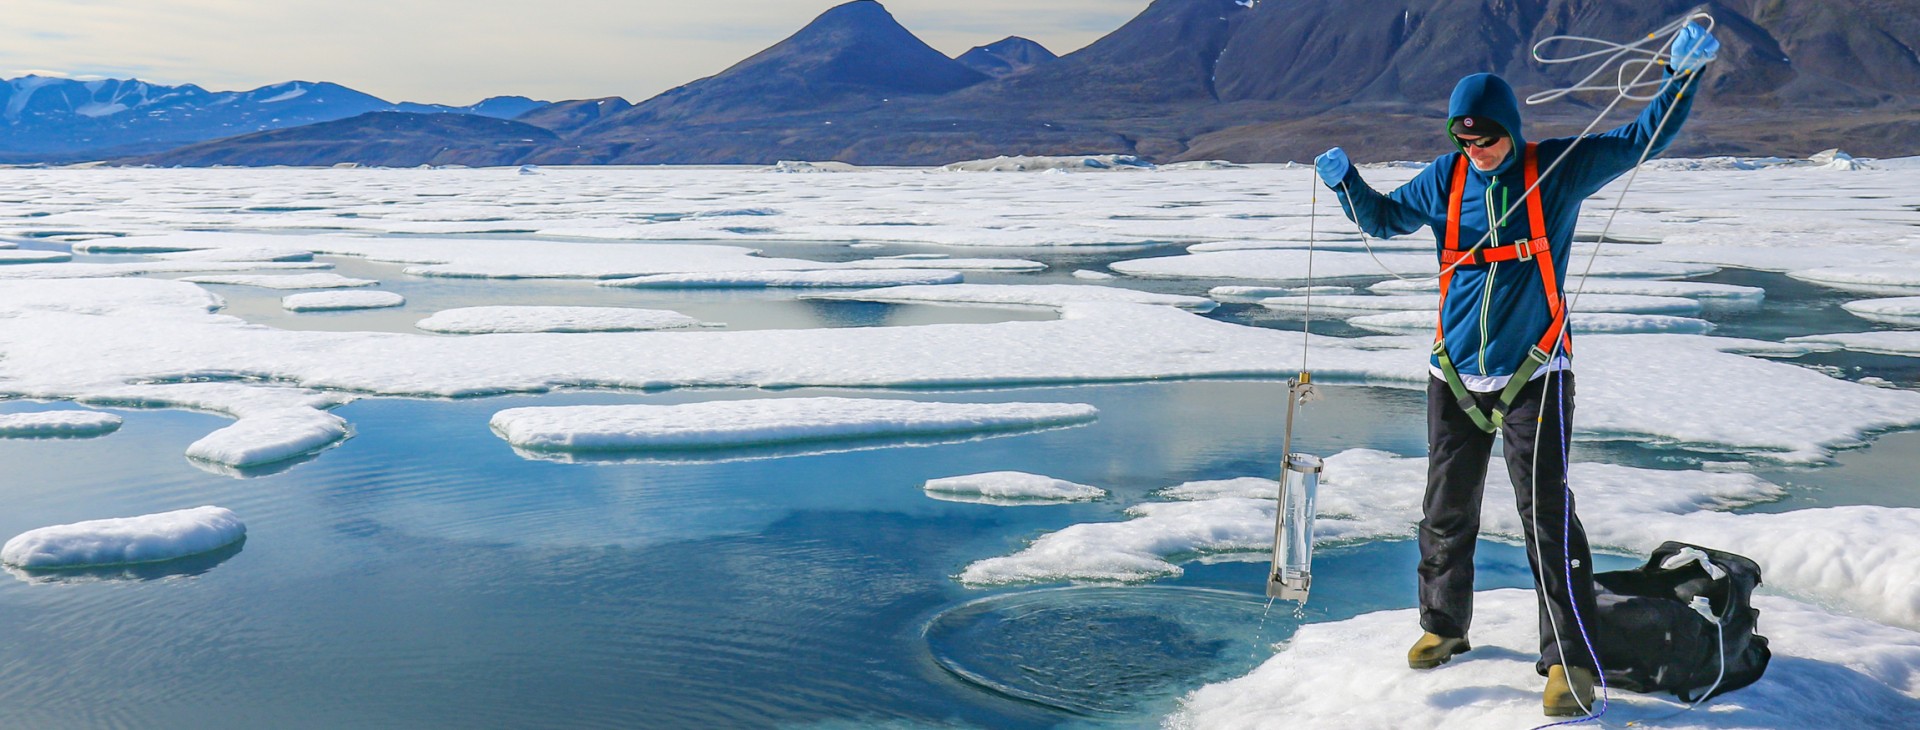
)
(1101, 651)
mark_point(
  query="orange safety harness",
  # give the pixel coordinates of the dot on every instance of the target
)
(1535, 248)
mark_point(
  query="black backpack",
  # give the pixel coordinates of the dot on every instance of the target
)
(1651, 639)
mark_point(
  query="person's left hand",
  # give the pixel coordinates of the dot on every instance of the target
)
(1693, 48)
(1332, 166)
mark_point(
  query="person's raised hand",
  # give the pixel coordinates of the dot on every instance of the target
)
(1332, 166)
(1693, 48)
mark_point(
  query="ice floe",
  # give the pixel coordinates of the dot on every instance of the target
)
(139, 268)
(1032, 295)
(791, 279)
(58, 423)
(1898, 310)
(282, 281)
(1827, 670)
(732, 424)
(1895, 278)
(1904, 342)
(949, 264)
(1253, 294)
(126, 540)
(11, 256)
(333, 301)
(508, 318)
(1610, 323)
(1010, 488)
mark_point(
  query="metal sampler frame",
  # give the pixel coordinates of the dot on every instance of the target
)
(1291, 575)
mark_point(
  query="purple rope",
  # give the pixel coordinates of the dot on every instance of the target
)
(1566, 538)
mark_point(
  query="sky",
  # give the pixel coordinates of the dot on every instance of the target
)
(460, 51)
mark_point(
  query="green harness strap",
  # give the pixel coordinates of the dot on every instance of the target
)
(1489, 422)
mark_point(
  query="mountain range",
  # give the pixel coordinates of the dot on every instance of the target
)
(44, 119)
(1243, 80)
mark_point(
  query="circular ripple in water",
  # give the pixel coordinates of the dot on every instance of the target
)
(1101, 650)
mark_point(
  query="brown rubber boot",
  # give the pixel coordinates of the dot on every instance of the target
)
(1433, 650)
(1569, 691)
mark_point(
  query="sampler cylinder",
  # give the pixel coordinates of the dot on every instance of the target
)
(1293, 543)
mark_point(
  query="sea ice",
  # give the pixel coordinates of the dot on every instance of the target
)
(282, 281)
(484, 320)
(1092, 275)
(141, 268)
(949, 264)
(1899, 310)
(1032, 295)
(11, 256)
(1010, 488)
(791, 279)
(1827, 670)
(1253, 294)
(1896, 278)
(333, 301)
(58, 423)
(732, 424)
(1607, 323)
(1901, 342)
(123, 541)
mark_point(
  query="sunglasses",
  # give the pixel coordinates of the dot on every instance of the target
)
(1479, 142)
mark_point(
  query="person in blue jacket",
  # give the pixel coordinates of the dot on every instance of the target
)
(1502, 361)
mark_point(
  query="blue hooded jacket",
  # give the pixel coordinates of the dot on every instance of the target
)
(1494, 313)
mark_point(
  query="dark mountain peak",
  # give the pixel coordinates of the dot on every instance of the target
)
(1006, 57)
(854, 54)
(1165, 54)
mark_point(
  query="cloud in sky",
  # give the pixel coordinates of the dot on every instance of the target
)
(459, 51)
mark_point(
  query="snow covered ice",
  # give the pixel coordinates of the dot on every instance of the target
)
(1828, 670)
(1010, 488)
(58, 423)
(1032, 295)
(484, 320)
(1897, 310)
(282, 281)
(729, 424)
(342, 300)
(125, 541)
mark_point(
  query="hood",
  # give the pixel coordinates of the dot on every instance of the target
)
(1487, 95)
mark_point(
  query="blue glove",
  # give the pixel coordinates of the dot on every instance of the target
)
(1332, 166)
(1693, 48)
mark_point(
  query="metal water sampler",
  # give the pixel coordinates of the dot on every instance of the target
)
(1292, 572)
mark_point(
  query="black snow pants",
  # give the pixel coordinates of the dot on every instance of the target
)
(1457, 453)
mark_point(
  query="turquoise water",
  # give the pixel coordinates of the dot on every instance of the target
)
(423, 575)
